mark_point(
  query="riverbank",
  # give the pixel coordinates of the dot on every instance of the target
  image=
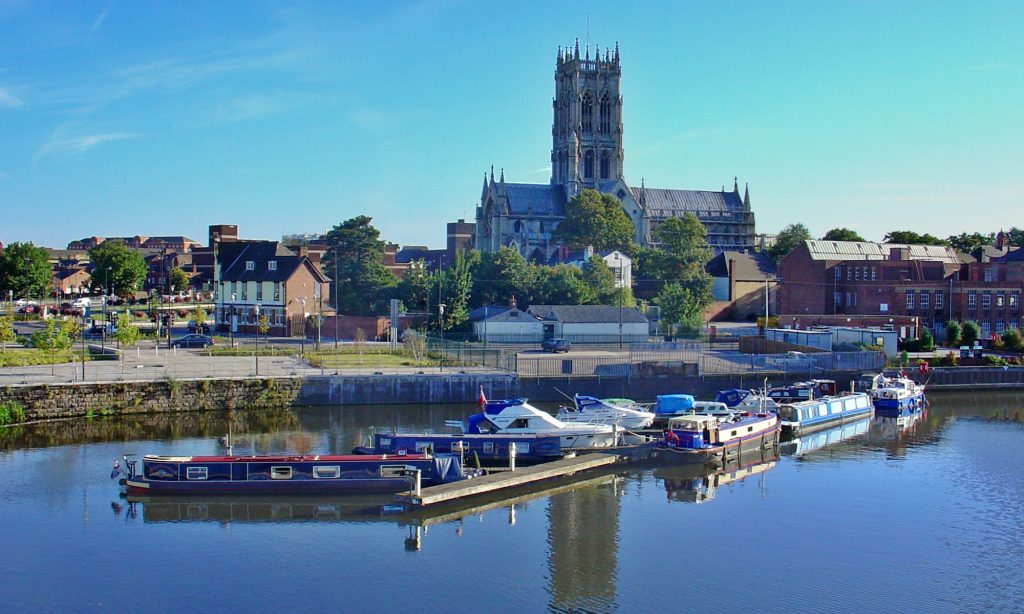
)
(83, 399)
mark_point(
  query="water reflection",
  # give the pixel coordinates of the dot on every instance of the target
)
(805, 444)
(700, 483)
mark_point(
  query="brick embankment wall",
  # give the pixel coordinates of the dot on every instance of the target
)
(42, 402)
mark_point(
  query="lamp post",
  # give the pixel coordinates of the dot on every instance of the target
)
(231, 322)
(440, 325)
(257, 308)
(304, 316)
(336, 247)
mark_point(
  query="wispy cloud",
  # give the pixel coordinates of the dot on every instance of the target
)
(81, 143)
(9, 99)
(542, 171)
(96, 23)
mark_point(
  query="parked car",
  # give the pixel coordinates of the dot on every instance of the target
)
(556, 345)
(193, 341)
(205, 328)
(791, 361)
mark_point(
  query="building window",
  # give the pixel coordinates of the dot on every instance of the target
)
(972, 299)
(605, 166)
(1000, 299)
(910, 299)
(587, 112)
(924, 299)
(990, 275)
(259, 291)
(873, 274)
(588, 165)
(1000, 326)
(272, 265)
(277, 292)
(838, 298)
(849, 274)
(938, 299)
(1014, 300)
(986, 329)
(857, 274)
(245, 290)
(606, 114)
(986, 300)
(250, 265)
(839, 273)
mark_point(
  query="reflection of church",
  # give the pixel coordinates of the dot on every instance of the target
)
(587, 152)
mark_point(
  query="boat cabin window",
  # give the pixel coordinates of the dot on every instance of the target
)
(327, 472)
(520, 423)
(392, 471)
(786, 412)
(196, 473)
(280, 473)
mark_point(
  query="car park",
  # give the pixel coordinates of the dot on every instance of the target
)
(556, 345)
(193, 341)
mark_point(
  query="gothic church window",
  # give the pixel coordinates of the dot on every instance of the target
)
(605, 166)
(588, 165)
(588, 112)
(606, 114)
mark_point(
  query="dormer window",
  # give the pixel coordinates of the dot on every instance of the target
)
(272, 265)
(250, 265)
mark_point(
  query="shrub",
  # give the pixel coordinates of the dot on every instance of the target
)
(1012, 340)
(926, 343)
(953, 333)
(11, 412)
(995, 361)
(970, 333)
(949, 360)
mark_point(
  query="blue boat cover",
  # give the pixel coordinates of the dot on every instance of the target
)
(447, 468)
(673, 403)
(732, 396)
(495, 407)
(473, 423)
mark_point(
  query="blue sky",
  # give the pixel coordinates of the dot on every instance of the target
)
(163, 117)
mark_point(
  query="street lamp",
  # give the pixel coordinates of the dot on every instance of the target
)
(231, 322)
(440, 325)
(304, 316)
(257, 308)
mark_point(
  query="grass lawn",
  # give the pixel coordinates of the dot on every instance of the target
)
(343, 360)
(29, 357)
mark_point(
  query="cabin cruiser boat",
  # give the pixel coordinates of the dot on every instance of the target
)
(517, 417)
(591, 410)
(896, 396)
(697, 438)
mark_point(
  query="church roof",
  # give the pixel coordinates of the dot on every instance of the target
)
(662, 202)
(535, 199)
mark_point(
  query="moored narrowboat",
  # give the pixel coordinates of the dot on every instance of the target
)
(489, 449)
(291, 475)
(697, 438)
(816, 414)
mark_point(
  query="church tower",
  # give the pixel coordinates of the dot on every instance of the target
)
(586, 133)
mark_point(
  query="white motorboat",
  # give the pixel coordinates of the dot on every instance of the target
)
(591, 410)
(517, 417)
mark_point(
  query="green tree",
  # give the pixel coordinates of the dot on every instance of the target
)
(500, 276)
(969, 333)
(789, 237)
(1012, 340)
(684, 249)
(600, 278)
(647, 264)
(456, 287)
(926, 343)
(198, 317)
(965, 242)
(1015, 236)
(117, 268)
(127, 335)
(6, 331)
(910, 237)
(414, 288)
(356, 260)
(593, 218)
(952, 333)
(683, 312)
(55, 335)
(564, 284)
(24, 271)
(177, 280)
(842, 234)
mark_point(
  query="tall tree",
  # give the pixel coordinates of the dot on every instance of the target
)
(789, 237)
(842, 234)
(355, 257)
(456, 286)
(117, 268)
(24, 271)
(502, 275)
(684, 249)
(909, 237)
(414, 287)
(683, 312)
(601, 280)
(593, 218)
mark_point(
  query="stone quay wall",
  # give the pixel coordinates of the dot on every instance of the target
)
(47, 401)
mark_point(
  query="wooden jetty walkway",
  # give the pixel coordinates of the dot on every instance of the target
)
(507, 479)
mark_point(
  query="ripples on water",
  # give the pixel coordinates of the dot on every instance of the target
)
(895, 518)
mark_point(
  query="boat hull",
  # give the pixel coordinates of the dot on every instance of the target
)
(902, 406)
(143, 486)
(730, 451)
(489, 449)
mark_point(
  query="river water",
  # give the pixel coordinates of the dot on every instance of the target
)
(920, 517)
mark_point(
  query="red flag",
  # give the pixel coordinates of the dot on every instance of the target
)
(480, 402)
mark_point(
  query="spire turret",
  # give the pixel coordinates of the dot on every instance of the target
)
(746, 195)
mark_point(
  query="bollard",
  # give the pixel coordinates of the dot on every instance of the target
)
(512, 456)
(416, 483)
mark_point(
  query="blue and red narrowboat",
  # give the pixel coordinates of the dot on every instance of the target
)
(701, 438)
(291, 475)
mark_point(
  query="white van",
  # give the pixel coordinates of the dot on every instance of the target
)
(83, 302)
